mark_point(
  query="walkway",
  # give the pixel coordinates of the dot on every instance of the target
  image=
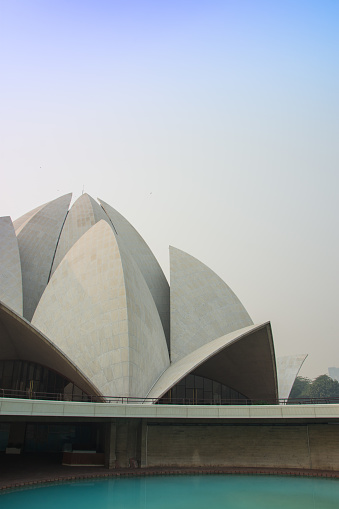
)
(69, 409)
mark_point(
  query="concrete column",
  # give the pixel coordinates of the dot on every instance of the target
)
(121, 443)
(143, 443)
(133, 443)
(110, 444)
(127, 443)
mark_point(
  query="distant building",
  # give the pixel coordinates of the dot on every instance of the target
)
(334, 373)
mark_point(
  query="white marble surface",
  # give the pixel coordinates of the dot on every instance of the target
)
(37, 238)
(288, 368)
(148, 352)
(203, 307)
(84, 214)
(21, 222)
(146, 261)
(97, 308)
(178, 370)
(10, 266)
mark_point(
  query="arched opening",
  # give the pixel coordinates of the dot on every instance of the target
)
(27, 379)
(199, 390)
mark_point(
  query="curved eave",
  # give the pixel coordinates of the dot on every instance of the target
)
(19, 340)
(243, 359)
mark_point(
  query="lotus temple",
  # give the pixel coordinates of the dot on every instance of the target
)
(99, 354)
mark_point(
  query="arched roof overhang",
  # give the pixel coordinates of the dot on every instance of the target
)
(243, 360)
(19, 340)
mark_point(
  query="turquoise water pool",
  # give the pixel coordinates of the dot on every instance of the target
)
(181, 492)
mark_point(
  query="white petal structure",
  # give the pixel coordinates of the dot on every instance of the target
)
(37, 238)
(84, 214)
(288, 368)
(10, 267)
(98, 310)
(21, 222)
(243, 359)
(203, 307)
(20, 341)
(146, 261)
(105, 322)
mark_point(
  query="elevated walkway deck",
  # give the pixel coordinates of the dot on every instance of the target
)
(69, 409)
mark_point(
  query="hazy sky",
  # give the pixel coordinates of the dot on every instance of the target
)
(212, 126)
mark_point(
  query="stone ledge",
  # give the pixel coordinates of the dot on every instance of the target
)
(130, 472)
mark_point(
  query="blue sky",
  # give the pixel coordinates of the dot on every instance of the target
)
(212, 126)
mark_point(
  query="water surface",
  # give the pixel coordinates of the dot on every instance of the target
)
(181, 492)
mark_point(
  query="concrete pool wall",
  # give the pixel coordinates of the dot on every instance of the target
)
(277, 436)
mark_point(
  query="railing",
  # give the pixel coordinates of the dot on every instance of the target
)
(278, 401)
(53, 396)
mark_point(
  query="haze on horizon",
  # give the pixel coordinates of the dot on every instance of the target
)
(211, 126)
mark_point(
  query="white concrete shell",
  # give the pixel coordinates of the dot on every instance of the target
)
(146, 261)
(149, 356)
(203, 307)
(243, 360)
(288, 368)
(10, 266)
(98, 310)
(19, 340)
(21, 222)
(84, 214)
(37, 238)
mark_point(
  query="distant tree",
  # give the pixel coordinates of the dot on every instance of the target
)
(300, 388)
(324, 387)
